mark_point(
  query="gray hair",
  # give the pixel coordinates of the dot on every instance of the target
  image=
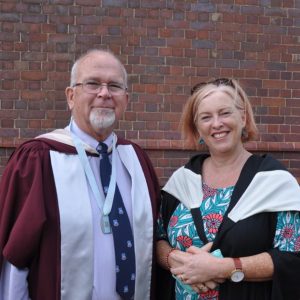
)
(74, 69)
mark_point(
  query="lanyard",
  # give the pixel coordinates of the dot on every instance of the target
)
(103, 204)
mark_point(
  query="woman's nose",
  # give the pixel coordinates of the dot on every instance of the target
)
(217, 121)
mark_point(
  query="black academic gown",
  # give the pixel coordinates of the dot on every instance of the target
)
(249, 236)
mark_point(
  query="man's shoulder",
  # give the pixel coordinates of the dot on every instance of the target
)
(140, 152)
(125, 142)
(46, 142)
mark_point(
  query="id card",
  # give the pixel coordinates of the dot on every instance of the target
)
(105, 225)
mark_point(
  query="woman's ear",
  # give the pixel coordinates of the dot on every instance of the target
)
(244, 118)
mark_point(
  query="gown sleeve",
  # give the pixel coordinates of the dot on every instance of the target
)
(165, 282)
(161, 233)
(286, 257)
(22, 211)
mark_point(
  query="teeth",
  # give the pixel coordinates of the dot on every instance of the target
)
(219, 135)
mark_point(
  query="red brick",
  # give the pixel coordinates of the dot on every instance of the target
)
(166, 48)
(33, 75)
(33, 95)
(149, 117)
(273, 102)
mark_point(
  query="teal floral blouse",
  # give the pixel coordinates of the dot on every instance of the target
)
(182, 232)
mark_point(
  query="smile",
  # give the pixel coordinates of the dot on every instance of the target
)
(219, 135)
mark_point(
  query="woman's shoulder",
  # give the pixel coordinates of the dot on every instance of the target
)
(270, 163)
(195, 162)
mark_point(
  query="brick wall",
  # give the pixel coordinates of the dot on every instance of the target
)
(166, 46)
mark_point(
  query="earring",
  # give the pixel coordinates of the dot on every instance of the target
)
(244, 133)
(201, 141)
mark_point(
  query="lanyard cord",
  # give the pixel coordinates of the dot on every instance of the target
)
(103, 204)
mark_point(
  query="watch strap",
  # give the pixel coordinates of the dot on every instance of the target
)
(237, 263)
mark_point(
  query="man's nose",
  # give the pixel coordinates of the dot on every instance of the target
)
(103, 90)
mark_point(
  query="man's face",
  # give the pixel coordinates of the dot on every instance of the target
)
(97, 113)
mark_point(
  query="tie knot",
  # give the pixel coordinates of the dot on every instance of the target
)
(102, 148)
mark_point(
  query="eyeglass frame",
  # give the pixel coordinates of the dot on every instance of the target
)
(100, 86)
(218, 81)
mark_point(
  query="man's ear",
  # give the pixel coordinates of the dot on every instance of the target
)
(70, 97)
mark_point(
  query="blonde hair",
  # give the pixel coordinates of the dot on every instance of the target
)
(231, 87)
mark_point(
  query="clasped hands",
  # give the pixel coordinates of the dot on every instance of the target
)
(196, 267)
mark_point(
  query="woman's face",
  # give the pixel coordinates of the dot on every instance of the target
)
(220, 123)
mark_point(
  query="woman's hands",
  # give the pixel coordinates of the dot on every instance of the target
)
(196, 267)
(203, 271)
(187, 265)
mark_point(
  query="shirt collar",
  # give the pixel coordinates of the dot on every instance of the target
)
(86, 138)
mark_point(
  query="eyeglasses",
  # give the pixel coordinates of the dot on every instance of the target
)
(95, 87)
(217, 82)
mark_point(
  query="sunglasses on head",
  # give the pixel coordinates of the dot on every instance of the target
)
(217, 82)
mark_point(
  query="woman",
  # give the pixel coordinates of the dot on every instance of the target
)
(246, 206)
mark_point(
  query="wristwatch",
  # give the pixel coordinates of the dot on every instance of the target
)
(237, 275)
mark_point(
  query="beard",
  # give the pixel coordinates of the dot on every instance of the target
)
(102, 118)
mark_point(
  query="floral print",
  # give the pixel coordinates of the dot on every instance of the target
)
(173, 221)
(287, 236)
(297, 244)
(210, 295)
(185, 241)
(182, 232)
(287, 232)
(213, 221)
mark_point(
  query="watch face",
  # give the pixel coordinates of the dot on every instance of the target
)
(237, 276)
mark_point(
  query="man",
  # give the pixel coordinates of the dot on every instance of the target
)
(54, 238)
